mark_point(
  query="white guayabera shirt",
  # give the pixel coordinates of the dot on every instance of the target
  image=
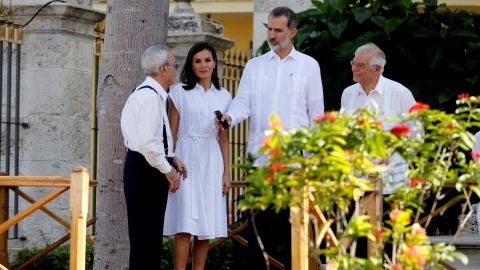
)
(389, 99)
(290, 87)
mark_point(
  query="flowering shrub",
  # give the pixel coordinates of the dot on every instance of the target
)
(334, 159)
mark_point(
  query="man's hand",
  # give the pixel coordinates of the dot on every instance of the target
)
(225, 117)
(173, 180)
(181, 168)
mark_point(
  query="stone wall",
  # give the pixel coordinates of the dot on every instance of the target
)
(55, 86)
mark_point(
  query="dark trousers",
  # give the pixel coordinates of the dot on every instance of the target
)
(146, 191)
(274, 231)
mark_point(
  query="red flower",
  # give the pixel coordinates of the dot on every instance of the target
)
(400, 130)
(361, 121)
(380, 234)
(463, 96)
(416, 181)
(269, 177)
(419, 106)
(328, 116)
(475, 155)
(276, 166)
(450, 126)
(275, 153)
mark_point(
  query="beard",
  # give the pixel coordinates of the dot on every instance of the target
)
(282, 44)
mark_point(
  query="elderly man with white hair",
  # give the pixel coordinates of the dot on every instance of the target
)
(377, 93)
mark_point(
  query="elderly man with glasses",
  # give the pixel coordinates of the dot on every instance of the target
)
(150, 168)
(389, 99)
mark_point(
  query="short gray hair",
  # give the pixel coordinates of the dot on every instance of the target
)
(378, 56)
(152, 58)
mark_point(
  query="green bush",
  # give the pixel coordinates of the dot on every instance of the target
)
(221, 258)
(57, 259)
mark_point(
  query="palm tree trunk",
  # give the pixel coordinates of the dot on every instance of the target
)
(131, 27)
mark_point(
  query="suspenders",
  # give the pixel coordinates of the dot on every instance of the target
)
(165, 143)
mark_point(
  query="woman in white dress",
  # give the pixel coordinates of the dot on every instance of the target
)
(198, 208)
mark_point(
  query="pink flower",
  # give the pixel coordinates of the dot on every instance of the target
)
(265, 141)
(475, 155)
(419, 106)
(400, 216)
(400, 130)
(418, 230)
(414, 253)
(463, 96)
(397, 266)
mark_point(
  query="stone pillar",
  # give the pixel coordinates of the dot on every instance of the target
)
(55, 100)
(261, 9)
(186, 27)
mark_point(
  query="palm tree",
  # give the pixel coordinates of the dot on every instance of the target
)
(131, 27)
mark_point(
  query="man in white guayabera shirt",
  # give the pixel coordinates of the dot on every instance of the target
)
(387, 97)
(282, 81)
(384, 96)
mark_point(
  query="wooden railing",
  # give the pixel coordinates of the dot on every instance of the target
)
(78, 183)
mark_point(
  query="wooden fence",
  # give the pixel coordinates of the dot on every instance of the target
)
(78, 183)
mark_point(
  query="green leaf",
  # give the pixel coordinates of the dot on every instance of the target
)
(462, 34)
(404, 4)
(434, 56)
(460, 256)
(378, 20)
(362, 14)
(392, 23)
(425, 32)
(336, 29)
(476, 190)
(319, 5)
(339, 5)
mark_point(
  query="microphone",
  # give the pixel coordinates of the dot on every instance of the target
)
(224, 123)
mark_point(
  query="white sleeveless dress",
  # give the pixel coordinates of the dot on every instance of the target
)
(198, 206)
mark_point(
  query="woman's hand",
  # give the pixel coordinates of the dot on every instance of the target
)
(226, 183)
(181, 168)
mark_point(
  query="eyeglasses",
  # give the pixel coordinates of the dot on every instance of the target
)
(359, 65)
(174, 65)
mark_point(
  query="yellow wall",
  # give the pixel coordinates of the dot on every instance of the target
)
(238, 27)
(236, 16)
